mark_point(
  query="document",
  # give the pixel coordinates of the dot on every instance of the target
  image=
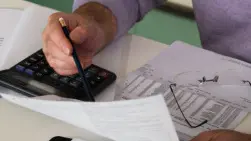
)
(1, 41)
(24, 45)
(224, 104)
(195, 104)
(145, 119)
(9, 21)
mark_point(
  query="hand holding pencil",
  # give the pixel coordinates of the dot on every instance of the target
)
(86, 35)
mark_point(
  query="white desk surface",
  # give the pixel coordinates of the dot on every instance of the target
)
(18, 123)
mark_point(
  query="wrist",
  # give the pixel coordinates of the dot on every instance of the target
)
(101, 15)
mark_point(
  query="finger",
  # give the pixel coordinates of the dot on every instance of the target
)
(48, 38)
(65, 61)
(66, 72)
(47, 46)
(68, 65)
(58, 60)
(56, 34)
(46, 42)
(63, 65)
(70, 19)
(54, 30)
(79, 35)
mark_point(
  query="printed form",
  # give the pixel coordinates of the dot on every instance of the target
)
(9, 21)
(223, 105)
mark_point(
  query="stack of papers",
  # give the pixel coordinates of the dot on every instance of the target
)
(224, 103)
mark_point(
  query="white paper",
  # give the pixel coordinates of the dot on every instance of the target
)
(9, 21)
(138, 120)
(27, 37)
(224, 105)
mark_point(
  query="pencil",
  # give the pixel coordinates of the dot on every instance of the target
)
(77, 62)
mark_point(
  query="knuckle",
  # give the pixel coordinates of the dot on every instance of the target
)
(54, 16)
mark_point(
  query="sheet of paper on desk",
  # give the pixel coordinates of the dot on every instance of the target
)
(145, 119)
(23, 45)
(9, 21)
(224, 106)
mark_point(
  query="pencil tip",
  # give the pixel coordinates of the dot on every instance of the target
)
(62, 22)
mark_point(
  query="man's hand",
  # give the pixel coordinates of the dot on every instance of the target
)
(222, 135)
(91, 27)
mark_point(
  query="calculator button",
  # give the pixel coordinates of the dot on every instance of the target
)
(55, 75)
(93, 69)
(35, 67)
(65, 79)
(75, 83)
(26, 63)
(88, 74)
(79, 78)
(42, 62)
(103, 74)
(98, 79)
(73, 76)
(39, 75)
(29, 72)
(20, 68)
(40, 55)
(33, 59)
(46, 71)
(93, 83)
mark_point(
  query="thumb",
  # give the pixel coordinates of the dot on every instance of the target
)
(78, 35)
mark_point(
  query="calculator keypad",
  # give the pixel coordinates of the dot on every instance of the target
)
(36, 66)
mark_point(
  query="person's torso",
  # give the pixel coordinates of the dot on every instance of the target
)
(225, 26)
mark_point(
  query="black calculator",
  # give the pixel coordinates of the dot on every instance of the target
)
(33, 77)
